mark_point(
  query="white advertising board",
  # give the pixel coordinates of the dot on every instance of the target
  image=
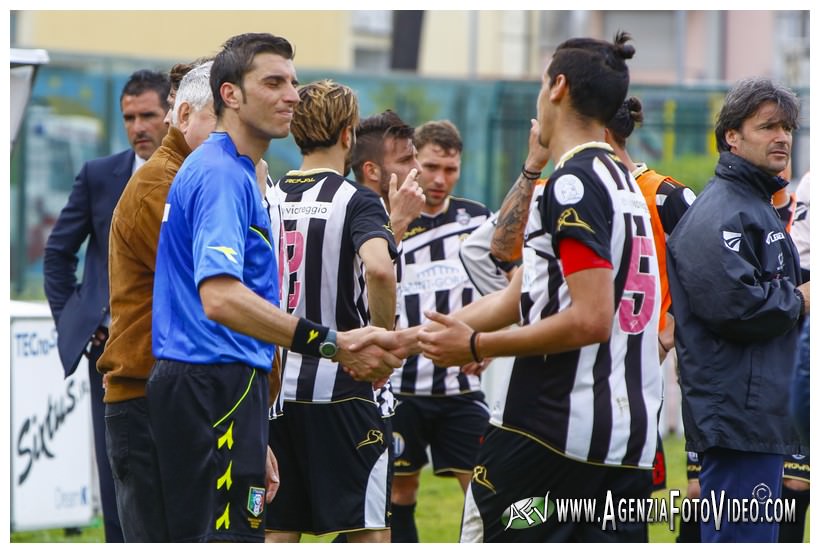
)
(50, 431)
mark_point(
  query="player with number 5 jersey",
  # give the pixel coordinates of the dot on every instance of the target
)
(578, 414)
(590, 208)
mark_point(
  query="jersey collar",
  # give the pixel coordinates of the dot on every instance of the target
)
(297, 172)
(640, 169)
(441, 211)
(580, 147)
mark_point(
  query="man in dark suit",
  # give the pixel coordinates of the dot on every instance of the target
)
(81, 310)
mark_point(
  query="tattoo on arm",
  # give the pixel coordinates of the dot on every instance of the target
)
(508, 238)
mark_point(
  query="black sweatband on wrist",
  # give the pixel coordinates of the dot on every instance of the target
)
(307, 337)
(473, 347)
(529, 175)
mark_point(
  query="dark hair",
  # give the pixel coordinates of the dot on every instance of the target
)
(629, 115)
(441, 133)
(236, 60)
(325, 108)
(596, 73)
(144, 80)
(745, 98)
(179, 70)
(370, 136)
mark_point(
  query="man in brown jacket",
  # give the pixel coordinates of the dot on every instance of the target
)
(127, 360)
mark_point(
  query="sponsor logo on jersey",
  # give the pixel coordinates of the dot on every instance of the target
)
(570, 218)
(256, 500)
(526, 513)
(230, 253)
(774, 236)
(732, 240)
(299, 180)
(373, 437)
(568, 189)
(421, 278)
(306, 210)
(462, 217)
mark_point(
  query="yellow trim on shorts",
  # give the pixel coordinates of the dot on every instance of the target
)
(241, 399)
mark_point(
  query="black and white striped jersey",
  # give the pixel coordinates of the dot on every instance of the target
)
(433, 278)
(598, 404)
(325, 220)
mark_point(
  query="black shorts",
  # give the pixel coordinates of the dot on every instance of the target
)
(512, 478)
(210, 430)
(451, 425)
(333, 466)
(797, 467)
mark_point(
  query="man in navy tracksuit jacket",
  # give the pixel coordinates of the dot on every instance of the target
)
(734, 275)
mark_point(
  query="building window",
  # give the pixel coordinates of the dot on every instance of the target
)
(372, 35)
(646, 27)
(792, 36)
(371, 60)
(374, 22)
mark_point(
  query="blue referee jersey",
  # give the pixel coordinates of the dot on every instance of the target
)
(215, 224)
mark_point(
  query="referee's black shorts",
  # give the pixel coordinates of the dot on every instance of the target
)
(210, 427)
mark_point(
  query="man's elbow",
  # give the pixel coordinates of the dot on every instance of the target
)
(214, 304)
(381, 276)
(595, 329)
(55, 261)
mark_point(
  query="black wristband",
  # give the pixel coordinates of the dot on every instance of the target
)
(529, 175)
(307, 337)
(473, 348)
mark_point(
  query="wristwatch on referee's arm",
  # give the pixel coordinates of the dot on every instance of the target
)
(328, 347)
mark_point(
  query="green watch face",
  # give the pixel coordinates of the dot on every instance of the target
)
(327, 349)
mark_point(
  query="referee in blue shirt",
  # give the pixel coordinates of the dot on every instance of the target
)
(215, 310)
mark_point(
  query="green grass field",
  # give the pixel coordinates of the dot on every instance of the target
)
(438, 513)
